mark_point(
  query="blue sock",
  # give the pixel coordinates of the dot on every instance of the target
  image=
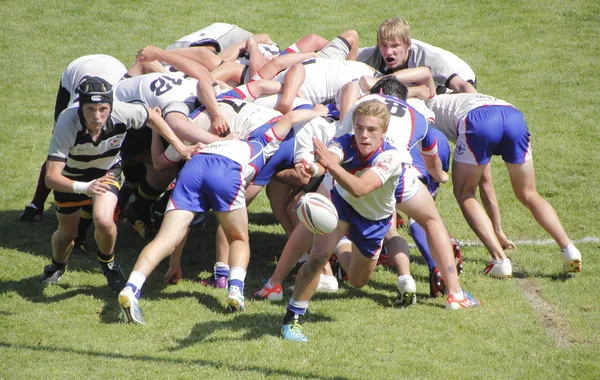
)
(221, 272)
(136, 292)
(238, 283)
(297, 307)
(418, 234)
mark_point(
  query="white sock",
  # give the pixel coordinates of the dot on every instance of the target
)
(237, 273)
(459, 296)
(137, 279)
(569, 248)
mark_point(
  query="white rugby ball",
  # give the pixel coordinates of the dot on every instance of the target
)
(317, 213)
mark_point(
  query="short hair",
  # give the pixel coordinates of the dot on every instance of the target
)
(394, 28)
(373, 108)
(390, 85)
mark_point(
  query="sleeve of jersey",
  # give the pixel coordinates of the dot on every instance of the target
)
(440, 69)
(136, 115)
(387, 165)
(171, 154)
(304, 145)
(335, 147)
(428, 146)
(63, 139)
(271, 142)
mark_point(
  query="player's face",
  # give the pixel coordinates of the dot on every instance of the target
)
(95, 114)
(368, 134)
(394, 53)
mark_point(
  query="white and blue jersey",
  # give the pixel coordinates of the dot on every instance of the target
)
(407, 128)
(370, 215)
(243, 117)
(386, 162)
(297, 145)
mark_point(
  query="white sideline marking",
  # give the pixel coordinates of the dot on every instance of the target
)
(531, 242)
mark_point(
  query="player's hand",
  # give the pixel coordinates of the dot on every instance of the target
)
(321, 110)
(219, 125)
(101, 185)
(505, 243)
(324, 156)
(173, 275)
(158, 111)
(187, 151)
(366, 83)
(444, 177)
(302, 168)
(149, 53)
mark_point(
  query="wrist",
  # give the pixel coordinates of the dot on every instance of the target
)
(313, 169)
(81, 187)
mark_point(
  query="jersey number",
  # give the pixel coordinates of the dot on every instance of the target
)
(396, 109)
(162, 85)
(236, 107)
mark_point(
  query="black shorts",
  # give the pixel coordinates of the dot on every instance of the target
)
(68, 203)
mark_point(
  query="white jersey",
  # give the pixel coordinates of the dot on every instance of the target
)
(223, 34)
(406, 128)
(443, 64)
(243, 117)
(95, 65)
(157, 89)
(304, 133)
(451, 109)
(271, 101)
(421, 107)
(386, 162)
(324, 77)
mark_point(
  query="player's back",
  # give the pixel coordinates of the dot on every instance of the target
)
(157, 89)
(324, 77)
(96, 65)
(450, 109)
(243, 117)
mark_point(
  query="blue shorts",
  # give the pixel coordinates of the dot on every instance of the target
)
(282, 159)
(493, 130)
(209, 181)
(444, 154)
(367, 235)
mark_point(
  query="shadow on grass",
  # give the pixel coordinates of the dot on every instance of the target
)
(158, 359)
(254, 326)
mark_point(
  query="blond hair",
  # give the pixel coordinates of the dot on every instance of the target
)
(373, 108)
(394, 28)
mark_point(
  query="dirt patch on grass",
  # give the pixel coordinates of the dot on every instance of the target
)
(554, 323)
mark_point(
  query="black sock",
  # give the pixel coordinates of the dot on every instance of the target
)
(105, 258)
(59, 265)
(290, 316)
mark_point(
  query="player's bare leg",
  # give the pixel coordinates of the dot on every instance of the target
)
(466, 177)
(422, 209)
(522, 178)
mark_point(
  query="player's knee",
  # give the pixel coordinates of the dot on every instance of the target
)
(351, 36)
(104, 223)
(357, 281)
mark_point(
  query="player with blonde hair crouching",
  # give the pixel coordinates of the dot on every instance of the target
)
(367, 171)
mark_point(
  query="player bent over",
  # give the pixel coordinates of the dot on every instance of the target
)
(365, 201)
(84, 166)
(483, 126)
(213, 179)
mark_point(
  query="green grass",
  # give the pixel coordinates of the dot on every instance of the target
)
(540, 56)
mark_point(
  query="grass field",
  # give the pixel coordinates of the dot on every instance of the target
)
(541, 56)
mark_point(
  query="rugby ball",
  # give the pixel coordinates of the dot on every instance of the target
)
(317, 213)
